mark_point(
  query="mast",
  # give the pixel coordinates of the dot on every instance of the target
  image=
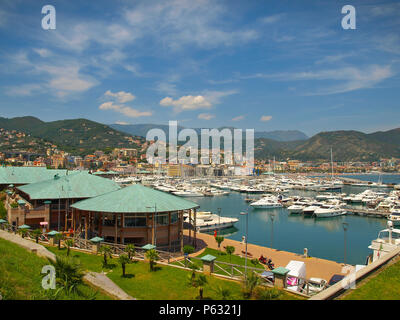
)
(332, 166)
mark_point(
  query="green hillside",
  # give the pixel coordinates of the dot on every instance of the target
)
(78, 136)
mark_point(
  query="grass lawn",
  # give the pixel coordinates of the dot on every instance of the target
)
(21, 278)
(223, 257)
(382, 286)
(166, 283)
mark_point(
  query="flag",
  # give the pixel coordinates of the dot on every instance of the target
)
(215, 233)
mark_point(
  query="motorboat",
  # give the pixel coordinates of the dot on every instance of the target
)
(208, 221)
(266, 203)
(387, 241)
(328, 211)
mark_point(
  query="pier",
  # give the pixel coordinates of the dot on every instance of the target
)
(367, 213)
(315, 267)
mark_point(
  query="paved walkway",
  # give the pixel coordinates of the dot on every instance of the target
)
(97, 279)
(28, 245)
(315, 267)
(102, 281)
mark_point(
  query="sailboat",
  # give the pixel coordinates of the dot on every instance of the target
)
(332, 187)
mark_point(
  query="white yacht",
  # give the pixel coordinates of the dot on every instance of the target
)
(327, 211)
(388, 240)
(310, 209)
(266, 203)
(395, 215)
(208, 221)
(188, 193)
(295, 208)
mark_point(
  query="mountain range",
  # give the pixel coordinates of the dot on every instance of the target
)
(142, 129)
(82, 136)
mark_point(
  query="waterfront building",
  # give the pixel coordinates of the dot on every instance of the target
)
(134, 214)
(49, 201)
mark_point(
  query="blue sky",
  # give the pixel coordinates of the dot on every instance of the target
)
(268, 65)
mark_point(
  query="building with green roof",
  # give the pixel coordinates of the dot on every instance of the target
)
(18, 176)
(49, 200)
(135, 214)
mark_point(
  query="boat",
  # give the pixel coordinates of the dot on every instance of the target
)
(208, 221)
(394, 215)
(387, 241)
(310, 209)
(295, 209)
(328, 211)
(266, 203)
(185, 193)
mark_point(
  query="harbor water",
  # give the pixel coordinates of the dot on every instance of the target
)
(324, 238)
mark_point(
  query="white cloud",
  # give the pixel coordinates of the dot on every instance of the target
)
(44, 53)
(23, 90)
(265, 118)
(272, 19)
(121, 96)
(205, 116)
(238, 118)
(122, 123)
(186, 103)
(127, 111)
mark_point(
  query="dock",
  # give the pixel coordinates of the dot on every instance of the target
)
(315, 267)
(367, 213)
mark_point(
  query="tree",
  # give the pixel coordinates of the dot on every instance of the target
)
(107, 253)
(59, 237)
(69, 243)
(250, 283)
(68, 273)
(200, 282)
(230, 250)
(187, 250)
(124, 260)
(219, 240)
(130, 250)
(152, 256)
(223, 293)
(36, 234)
(23, 232)
(254, 262)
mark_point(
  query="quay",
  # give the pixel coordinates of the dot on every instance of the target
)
(315, 267)
(368, 213)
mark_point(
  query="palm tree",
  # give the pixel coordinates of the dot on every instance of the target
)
(219, 240)
(224, 293)
(36, 234)
(59, 237)
(230, 250)
(68, 273)
(123, 260)
(23, 232)
(250, 283)
(107, 253)
(152, 255)
(200, 282)
(130, 250)
(69, 243)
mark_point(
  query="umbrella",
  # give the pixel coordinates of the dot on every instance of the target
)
(3, 221)
(24, 226)
(52, 233)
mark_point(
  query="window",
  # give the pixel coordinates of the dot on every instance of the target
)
(162, 219)
(174, 217)
(132, 221)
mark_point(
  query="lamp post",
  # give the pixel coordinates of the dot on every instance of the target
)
(219, 216)
(345, 227)
(272, 216)
(247, 224)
